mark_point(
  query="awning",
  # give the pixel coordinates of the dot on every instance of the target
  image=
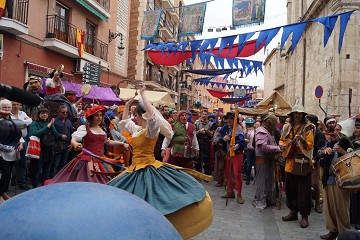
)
(275, 102)
(105, 96)
(155, 97)
(45, 70)
(93, 10)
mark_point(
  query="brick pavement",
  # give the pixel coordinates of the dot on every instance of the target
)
(243, 221)
(237, 221)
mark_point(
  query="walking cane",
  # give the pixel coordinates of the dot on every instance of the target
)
(232, 152)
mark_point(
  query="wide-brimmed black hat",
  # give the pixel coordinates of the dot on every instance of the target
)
(229, 115)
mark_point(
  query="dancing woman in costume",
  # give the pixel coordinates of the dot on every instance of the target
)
(90, 165)
(176, 194)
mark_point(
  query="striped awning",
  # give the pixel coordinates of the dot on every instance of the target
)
(93, 10)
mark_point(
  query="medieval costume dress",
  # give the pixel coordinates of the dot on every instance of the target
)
(85, 167)
(176, 194)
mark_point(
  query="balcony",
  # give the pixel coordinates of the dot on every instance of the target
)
(16, 22)
(156, 82)
(185, 88)
(100, 8)
(174, 15)
(61, 38)
(167, 3)
(167, 30)
(174, 68)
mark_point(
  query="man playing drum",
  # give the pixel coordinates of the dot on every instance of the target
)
(336, 200)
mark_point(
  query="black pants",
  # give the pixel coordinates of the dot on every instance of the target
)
(5, 168)
(203, 161)
(298, 193)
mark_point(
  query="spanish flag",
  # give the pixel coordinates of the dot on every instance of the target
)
(2, 7)
(80, 36)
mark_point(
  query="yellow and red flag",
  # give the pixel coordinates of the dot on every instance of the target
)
(80, 36)
(2, 7)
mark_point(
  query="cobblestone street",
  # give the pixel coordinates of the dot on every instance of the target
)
(237, 221)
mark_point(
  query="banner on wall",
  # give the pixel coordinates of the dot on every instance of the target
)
(150, 24)
(192, 20)
(247, 12)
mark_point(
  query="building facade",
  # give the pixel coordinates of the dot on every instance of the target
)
(312, 64)
(40, 35)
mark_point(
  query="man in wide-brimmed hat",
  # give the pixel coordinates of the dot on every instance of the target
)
(236, 161)
(297, 141)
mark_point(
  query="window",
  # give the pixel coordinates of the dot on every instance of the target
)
(148, 71)
(160, 76)
(89, 37)
(61, 22)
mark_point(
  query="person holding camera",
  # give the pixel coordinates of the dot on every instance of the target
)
(8, 153)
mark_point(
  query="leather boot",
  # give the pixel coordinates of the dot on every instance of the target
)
(229, 195)
(292, 216)
(318, 207)
(304, 223)
(330, 235)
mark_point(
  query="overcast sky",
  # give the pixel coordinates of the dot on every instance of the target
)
(219, 14)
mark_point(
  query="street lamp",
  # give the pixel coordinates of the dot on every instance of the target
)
(112, 36)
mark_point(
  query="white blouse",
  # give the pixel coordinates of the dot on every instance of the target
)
(155, 124)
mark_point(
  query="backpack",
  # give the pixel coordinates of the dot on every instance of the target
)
(47, 139)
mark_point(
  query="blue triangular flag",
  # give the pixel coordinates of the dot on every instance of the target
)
(182, 45)
(267, 36)
(344, 19)
(226, 41)
(297, 29)
(194, 47)
(329, 24)
(242, 40)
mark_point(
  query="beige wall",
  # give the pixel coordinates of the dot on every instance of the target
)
(324, 66)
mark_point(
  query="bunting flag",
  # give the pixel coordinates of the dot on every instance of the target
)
(236, 100)
(150, 24)
(218, 94)
(246, 12)
(2, 7)
(158, 56)
(80, 37)
(244, 47)
(206, 81)
(192, 19)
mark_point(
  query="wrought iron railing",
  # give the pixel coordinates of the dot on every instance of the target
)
(64, 31)
(19, 11)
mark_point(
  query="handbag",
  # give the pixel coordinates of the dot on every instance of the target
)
(34, 148)
(59, 146)
(301, 167)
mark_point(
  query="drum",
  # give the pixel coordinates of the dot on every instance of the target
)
(347, 170)
(86, 88)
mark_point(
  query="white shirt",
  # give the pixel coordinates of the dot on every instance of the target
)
(26, 119)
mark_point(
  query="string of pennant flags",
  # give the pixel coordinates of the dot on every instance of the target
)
(207, 81)
(227, 43)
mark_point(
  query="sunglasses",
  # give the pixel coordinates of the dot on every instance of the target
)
(64, 112)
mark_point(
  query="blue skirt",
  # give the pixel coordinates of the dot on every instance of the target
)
(165, 188)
